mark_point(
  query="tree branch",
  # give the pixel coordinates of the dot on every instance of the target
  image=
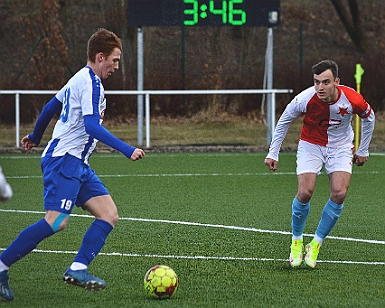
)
(351, 21)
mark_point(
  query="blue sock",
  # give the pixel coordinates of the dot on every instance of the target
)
(300, 211)
(93, 241)
(330, 215)
(27, 241)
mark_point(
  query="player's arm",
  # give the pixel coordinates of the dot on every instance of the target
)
(291, 112)
(279, 135)
(363, 109)
(280, 132)
(367, 127)
(97, 131)
(46, 115)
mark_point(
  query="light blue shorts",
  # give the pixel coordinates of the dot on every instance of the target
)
(68, 181)
(312, 157)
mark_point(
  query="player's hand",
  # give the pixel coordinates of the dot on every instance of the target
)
(271, 163)
(138, 154)
(359, 160)
(27, 144)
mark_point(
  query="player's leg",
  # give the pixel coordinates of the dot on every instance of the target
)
(55, 220)
(26, 241)
(339, 170)
(100, 204)
(301, 202)
(300, 211)
(309, 164)
(106, 217)
(339, 183)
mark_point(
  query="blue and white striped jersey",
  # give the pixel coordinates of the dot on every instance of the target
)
(82, 95)
(78, 129)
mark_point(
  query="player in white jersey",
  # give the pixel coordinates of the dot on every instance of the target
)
(67, 176)
(326, 141)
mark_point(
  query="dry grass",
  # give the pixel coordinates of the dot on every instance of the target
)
(197, 131)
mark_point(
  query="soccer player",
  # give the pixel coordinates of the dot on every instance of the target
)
(67, 176)
(326, 140)
(6, 192)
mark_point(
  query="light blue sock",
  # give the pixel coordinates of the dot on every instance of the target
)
(300, 211)
(93, 241)
(330, 215)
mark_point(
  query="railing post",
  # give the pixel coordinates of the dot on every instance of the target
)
(147, 120)
(140, 84)
(17, 120)
(272, 127)
(269, 85)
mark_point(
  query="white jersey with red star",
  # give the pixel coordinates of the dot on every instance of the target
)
(326, 124)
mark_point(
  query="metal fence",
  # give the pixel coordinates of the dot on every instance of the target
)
(271, 93)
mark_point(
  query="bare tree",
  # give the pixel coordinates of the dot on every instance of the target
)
(350, 18)
(48, 57)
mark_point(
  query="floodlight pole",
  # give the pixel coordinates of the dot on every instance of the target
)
(269, 85)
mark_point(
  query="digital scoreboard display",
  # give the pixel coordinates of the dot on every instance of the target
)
(195, 13)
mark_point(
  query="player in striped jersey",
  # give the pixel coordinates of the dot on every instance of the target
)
(326, 140)
(67, 176)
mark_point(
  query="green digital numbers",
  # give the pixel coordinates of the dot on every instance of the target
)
(191, 13)
(222, 11)
(237, 17)
(203, 13)
(229, 11)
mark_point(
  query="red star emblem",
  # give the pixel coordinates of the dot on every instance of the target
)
(343, 111)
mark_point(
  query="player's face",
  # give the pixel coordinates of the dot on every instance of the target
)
(326, 86)
(110, 64)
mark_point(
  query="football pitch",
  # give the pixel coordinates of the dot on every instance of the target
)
(220, 220)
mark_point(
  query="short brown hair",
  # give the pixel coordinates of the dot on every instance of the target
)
(324, 65)
(102, 41)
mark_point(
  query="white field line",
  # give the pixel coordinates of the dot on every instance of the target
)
(185, 174)
(157, 155)
(229, 258)
(166, 175)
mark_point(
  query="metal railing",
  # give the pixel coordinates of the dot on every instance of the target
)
(147, 93)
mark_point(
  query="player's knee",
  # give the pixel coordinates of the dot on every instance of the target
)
(304, 195)
(338, 197)
(112, 218)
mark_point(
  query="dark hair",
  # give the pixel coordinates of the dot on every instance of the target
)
(102, 41)
(324, 65)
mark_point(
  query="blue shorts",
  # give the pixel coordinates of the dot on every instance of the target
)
(68, 181)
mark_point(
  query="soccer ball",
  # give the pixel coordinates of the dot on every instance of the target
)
(160, 282)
